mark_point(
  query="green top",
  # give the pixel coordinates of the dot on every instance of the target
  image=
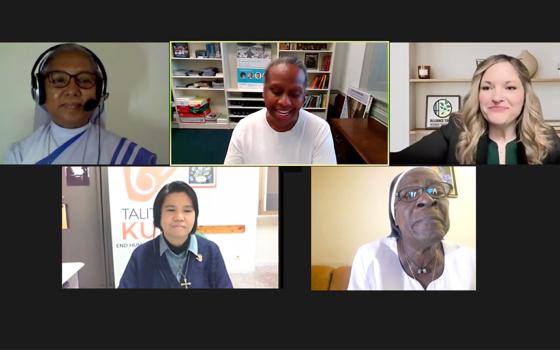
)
(511, 153)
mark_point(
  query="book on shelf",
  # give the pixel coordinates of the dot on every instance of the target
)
(308, 46)
(326, 63)
(213, 50)
(314, 83)
(313, 101)
(324, 82)
(320, 81)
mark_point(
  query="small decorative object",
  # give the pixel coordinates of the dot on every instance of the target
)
(202, 176)
(201, 54)
(479, 61)
(424, 71)
(529, 61)
(558, 69)
(312, 61)
(447, 173)
(181, 50)
(439, 109)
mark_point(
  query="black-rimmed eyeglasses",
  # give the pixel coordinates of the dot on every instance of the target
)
(437, 191)
(61, 79)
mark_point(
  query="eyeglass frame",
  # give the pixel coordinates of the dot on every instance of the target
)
(423, 190)
(47, 76)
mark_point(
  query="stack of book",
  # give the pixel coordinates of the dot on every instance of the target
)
(379, 111)
(193, 109)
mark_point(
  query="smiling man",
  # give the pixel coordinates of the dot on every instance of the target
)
(415, 256)
(282, 133)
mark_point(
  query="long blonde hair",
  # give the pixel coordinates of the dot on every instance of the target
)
(533, 132)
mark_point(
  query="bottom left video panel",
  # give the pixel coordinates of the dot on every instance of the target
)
(170, 227)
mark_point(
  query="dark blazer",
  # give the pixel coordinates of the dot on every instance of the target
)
(438, 148)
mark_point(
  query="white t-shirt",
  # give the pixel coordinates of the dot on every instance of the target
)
(376, 266)
(254, 142)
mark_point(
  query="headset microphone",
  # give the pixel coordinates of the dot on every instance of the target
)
(90, 105)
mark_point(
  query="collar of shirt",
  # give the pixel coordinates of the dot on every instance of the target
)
(193, 246)
(177, 261)
(391, 242)
(61, 134)
(493, 153)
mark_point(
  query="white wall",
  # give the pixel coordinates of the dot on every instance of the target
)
(374, 75)
(349, 207)
(347, 68)
(458, 61)
(138, 84)
(399, 92)
(267, 240)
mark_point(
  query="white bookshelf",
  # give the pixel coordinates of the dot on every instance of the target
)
(297, 49)
(179, 80)
(234, 101)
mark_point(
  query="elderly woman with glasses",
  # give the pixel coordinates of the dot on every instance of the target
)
(69, 86)
(415, 256)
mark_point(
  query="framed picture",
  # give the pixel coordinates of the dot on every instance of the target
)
(356, 104)
(180, 50)
(447, 173)
(439, 109)
(202, 176)
(77, 176)
(312, 61)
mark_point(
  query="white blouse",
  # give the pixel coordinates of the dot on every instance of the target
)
(376, 266)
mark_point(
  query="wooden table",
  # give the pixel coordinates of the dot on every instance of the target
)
(359, 141)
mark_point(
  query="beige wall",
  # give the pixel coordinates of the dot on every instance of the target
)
(267, 240)
(349, 207)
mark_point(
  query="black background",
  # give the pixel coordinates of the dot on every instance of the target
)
(516, 304)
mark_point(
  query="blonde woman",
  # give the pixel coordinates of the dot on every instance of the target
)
(501, 122)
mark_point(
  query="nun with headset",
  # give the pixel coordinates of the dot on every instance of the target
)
(179, 257)
(69, 86)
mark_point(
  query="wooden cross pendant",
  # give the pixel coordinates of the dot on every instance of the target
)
(185, 284)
